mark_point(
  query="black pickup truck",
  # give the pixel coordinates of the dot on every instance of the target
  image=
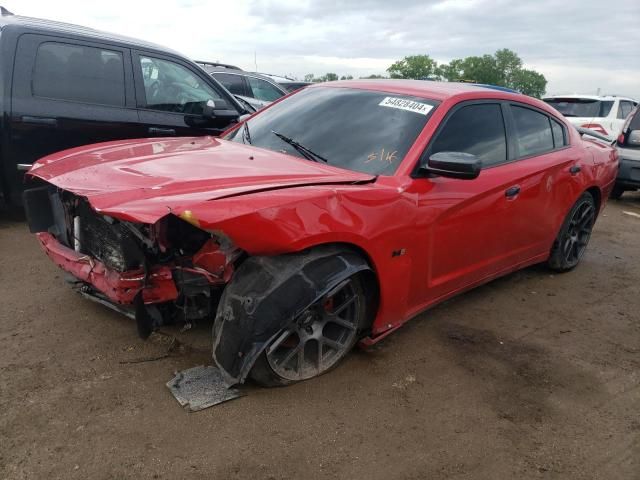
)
(63, 85)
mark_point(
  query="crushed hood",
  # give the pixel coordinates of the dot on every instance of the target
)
(143, 180)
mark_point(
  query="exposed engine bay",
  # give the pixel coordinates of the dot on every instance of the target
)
(168, 272)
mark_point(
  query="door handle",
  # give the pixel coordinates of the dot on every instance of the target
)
(575, 170)
(162, 131)
(52, 122)
(512, 191)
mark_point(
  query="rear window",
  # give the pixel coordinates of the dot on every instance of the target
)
(79, 73)
(559, 139)
(534, 135)
(581, 107)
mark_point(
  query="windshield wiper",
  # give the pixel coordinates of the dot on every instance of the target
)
(246, 135)
(306, 153)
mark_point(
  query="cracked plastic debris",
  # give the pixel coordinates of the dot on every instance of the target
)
(201, 387)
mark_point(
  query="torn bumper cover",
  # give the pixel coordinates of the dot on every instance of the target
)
(156, 286)
(266, 296)
(164, 272)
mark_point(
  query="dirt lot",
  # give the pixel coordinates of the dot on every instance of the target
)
(532, 376)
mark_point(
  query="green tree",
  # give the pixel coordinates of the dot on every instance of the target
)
(451, 72)
(417, 67)
(309, 77)
(482, 69)
(346, 77)
(529, 82)
(329, 77)
(504, 68)
(508, 64)
(372, 76)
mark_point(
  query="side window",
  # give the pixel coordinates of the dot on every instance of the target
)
(605, 108)
(231, 82)
(624, 109)
(559, 139)
(263, 90)
(533, 131)
(476, 129)
(79, 73)
(171, 87)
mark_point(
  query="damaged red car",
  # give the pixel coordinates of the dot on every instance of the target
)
(329, 218)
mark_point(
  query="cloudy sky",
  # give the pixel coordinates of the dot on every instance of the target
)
(580, 46)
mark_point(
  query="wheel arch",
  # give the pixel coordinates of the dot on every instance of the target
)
(370, 278)
(267, 293)
(596, 193)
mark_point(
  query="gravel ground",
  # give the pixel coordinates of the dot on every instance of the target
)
(531, 376)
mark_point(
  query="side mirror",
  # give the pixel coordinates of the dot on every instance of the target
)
(219, 110)
(454, 165)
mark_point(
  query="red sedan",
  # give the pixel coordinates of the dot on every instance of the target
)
(331, 217)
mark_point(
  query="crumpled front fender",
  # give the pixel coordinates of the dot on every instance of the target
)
(266, 295)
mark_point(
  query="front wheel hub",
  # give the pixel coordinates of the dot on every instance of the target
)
(323, 334)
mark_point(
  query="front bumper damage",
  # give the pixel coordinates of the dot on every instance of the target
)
(162, 273)
(155, 286)
(174, 271)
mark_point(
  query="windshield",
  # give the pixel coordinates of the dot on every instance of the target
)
(581, 107)
(359, 130)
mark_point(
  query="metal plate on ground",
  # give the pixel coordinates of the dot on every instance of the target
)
(201, 387)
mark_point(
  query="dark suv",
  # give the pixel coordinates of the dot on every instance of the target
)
(629, 151)
(64, 85)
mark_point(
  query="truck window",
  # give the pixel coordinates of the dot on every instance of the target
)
(79, 73)
(171, 87)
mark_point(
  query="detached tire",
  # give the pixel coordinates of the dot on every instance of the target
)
(572, 240)
(318, 340)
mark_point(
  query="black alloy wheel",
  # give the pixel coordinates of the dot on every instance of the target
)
(571, 243)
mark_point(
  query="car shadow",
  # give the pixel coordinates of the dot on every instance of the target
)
(10, 216)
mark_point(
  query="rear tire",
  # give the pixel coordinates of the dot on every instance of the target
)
(572, 240)
(319, 339)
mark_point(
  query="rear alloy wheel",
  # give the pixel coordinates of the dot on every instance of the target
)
(319, 338)
(574, 235)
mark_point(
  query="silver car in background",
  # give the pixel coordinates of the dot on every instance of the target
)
(255, 89)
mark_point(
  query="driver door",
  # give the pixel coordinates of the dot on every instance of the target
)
(171, 95)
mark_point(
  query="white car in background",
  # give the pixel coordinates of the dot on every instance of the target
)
(603, 114)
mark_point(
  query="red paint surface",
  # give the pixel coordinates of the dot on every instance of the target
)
(456, 233)
(120, 287)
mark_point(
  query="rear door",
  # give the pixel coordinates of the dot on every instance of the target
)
(171, 95)
(68, 93)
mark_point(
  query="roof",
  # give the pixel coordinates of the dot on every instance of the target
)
(8, 20)
(418, 88)
(590, 97)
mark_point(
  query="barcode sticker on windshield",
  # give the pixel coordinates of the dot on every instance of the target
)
(409, 105)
